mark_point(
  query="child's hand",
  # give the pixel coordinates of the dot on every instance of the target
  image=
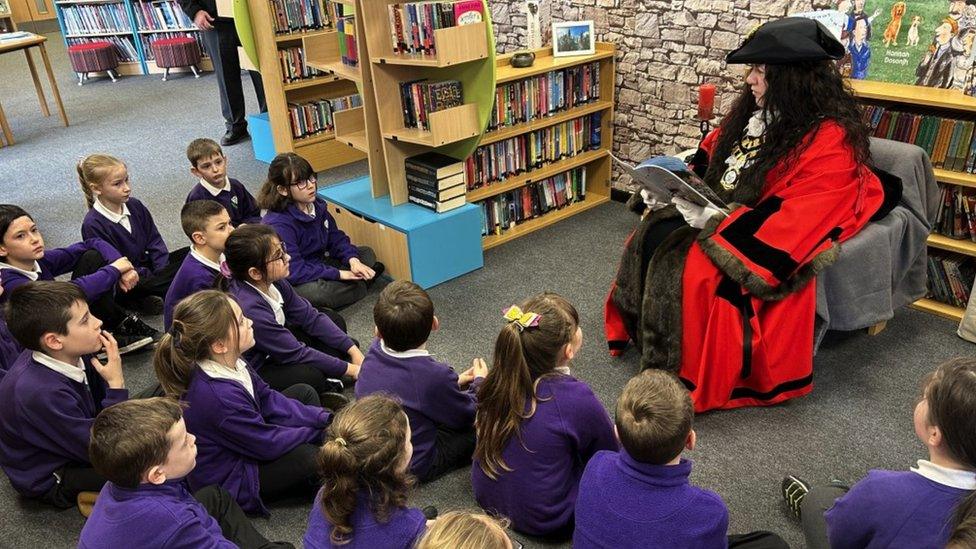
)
(359, 268)
(123, 265)
(352, 370)
(355, 355)
(349, 275)
(111, 371)
(129, 280)
(479, 367)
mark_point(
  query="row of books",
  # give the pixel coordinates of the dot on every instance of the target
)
(504, 211)
(950, 278)
(96, 18)
(293, 66)
(298, 15)
(161, 16)
(412, 25)
(957, 213)
(543, 95)
(147, 38)
(311, 117)
(435, 181)
(948, 142)
(346, 30)
(125, 49)
(419, 98)
(523, 153)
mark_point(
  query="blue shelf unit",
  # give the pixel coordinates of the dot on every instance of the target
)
(438, 247)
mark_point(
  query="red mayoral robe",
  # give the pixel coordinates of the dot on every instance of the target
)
(748, 292)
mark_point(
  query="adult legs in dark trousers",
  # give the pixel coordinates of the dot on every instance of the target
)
(812, 508)
(221, 44)
(338, 294)
(73, 479)
(453, 451)
(234, 524)
(294, 474)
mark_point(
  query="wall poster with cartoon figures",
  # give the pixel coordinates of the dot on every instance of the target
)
(921, 42)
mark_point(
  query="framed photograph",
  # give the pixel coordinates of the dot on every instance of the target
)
(573, 38)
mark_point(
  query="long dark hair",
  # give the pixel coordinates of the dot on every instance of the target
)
(798, 98)
(249, 246)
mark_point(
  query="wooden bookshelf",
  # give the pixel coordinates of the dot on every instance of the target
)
(942, 242)
(533, 225)
(940, 309)
(537, 174)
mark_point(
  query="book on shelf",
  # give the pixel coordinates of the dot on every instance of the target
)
(419, 98)
(506, 210)
(293, 65)
(666, 177)
(418, 178)
(96, 18)
(437, 206)
(148, 39)
(956, 217)
(290, 16)
(412, 25)
(125, 49)
(543, 95)
(950, 278)
(434, 165)
(166, 15)
(309, 118)
(533, 150)
(948, 142)
(346, 30)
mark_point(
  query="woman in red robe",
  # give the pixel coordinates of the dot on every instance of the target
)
(728, 302)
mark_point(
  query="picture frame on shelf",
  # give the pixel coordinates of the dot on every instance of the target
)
(571, 38)
(4, 8)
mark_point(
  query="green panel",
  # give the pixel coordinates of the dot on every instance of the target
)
(242, 20)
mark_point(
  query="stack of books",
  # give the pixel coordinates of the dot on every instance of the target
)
(412, 25)
(947, 141)
(435, 181)
(419, 98)
(346, 28)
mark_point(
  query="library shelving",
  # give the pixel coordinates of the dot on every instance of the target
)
(942, 101)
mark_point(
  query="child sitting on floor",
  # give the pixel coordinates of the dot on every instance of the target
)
(464, 530)
(50, 397)
(253, 441)
(124, 222)
(439, 403)
(144, 450)
(537, 425)
(327, 269)
(904, 508)
(364, 465)
(208, 163)
(207, 225)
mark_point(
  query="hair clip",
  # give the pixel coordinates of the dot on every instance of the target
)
(341, 441)
(224, 269)
(521, 319)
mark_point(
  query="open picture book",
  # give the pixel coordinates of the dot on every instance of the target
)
(663, 183)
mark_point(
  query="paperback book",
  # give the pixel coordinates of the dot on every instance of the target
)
(664, 184)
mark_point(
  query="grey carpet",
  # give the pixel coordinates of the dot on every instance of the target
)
(858, 417)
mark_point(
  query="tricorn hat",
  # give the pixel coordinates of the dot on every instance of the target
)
(787, 40)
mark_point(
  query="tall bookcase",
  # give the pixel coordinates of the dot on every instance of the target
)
(945, 102)
(117, 22)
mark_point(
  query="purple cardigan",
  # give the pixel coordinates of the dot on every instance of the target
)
(9, 348)
(150, 515)
(59, 261)
(238, 202)
(429, 393)
(568, 427)
(623, 503)
(308, 240)
(144, 246)
(402, 529)
(45, 421)
(192, 277)
(236, 432)
(893, 509)
(273, 343)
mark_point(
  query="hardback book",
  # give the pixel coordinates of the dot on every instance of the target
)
(427, 193)
(439, 207)
(435, 164)
(664, 184)
(426, 180)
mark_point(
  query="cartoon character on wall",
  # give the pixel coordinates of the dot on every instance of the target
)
(936, 67)
(858, 11)
(860, 48)
(894, 26)
(913, 30)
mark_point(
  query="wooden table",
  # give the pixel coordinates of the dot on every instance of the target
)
(25, 44)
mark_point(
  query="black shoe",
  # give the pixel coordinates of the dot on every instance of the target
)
(134, 327)
(333, 401)
(127, 343)
(233, 137)
(430, 512)
(378, 270)
(150, 305)
(794, 490)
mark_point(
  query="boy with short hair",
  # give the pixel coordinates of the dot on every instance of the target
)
(50, 397)
(208, 163)
(207, 224)
(144, 450)
(439, 404)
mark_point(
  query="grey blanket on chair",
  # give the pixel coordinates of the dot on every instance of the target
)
(884, 267)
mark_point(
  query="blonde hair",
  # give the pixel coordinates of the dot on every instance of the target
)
(92, 170)
(466, 530)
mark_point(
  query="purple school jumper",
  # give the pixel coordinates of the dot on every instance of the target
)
(59, 261)
(235, 198)
(143, 246)
(236, 432)
(429, 393)
(893, 509)
(275, 344)
(151, 516)
(45, 421)
(308, 239)
(192, 277)
(568, 427)
(399, 532)
(623, 503)
(9, 348)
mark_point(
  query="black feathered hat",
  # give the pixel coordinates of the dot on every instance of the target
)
(787, 40)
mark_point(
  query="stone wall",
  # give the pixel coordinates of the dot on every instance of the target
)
(665, 49)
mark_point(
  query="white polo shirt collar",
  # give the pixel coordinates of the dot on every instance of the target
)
(75, 373)
(121, 219)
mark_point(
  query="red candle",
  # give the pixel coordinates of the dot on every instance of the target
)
(706, 101)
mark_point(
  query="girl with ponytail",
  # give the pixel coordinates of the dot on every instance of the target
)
(364, 464)
(537, 425)
(253, 441)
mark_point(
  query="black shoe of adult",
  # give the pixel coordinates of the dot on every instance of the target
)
(233, 137)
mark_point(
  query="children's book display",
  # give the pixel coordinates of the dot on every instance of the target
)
(293, 65)
(161, 16)
(419, 98)
(345, 26)
(413, 24)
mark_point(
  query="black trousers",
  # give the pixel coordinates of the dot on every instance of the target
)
(221, 45)
(812, 508)
(757, 540)
(234, 524)
(282, 376)
(73, 479)
(103, 306)
(156, 284)
(295, 474)
(338, 294)
(453, 451)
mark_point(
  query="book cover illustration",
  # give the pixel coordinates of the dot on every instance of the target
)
(664, 184)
